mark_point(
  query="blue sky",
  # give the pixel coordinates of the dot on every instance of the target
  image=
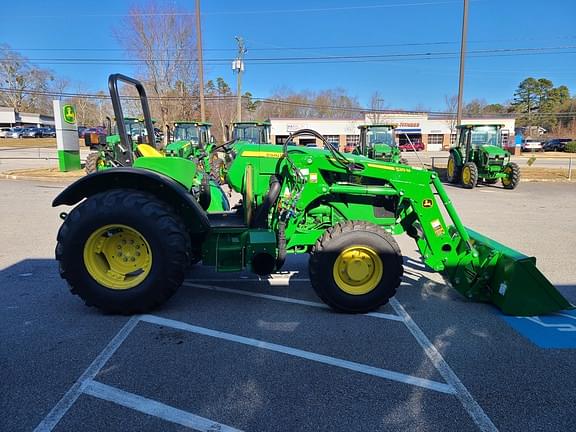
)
(391, 27)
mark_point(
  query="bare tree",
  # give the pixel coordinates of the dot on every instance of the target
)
(451, 108)
(162, 38)
(329, 104)
(25, 83)
(377, 104)
(221, 106)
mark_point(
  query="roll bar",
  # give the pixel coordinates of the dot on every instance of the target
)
(118, 113)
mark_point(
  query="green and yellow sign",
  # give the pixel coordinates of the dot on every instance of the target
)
(69, 114)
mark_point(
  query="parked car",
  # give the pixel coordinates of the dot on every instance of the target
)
(349, 148)
(33, 132)
(93, 130)
(557, 144)
(17, 132)
(48, 132)
(531, 145)
(5, 133)
(416, 145)
(81, 130)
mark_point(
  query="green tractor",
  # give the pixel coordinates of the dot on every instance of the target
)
(108, 152)
(255, 132)
(189, 137)
(126, 245)
(194, 140)
(378, 141)
(480, 156)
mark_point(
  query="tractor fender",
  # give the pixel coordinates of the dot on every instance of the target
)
(457, 156)
(163, 187)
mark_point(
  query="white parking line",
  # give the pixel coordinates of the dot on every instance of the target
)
(154, 408)
(86, 384)
(381, 315)
(320, 358)
(472, 407)
(62, 407)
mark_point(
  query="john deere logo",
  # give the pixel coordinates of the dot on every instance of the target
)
(69, 114)
(427, 203)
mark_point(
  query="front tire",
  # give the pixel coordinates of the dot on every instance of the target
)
(453, 171)
(123, 251)
(469, 175)
(512, 180)
(355, 267)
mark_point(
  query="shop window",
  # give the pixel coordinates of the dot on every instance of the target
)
(352, 140)
(435, 139)
(333, 139)
(281, 139)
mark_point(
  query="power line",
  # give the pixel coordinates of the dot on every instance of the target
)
(255, 12)
(305, 48)
(433, 55)
(276, 102)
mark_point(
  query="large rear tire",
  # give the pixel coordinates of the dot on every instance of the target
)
(123, 251)
(469, 175)
(217, 169)
(513, 176)
(355, 267)
(91, 165)
(453, 171)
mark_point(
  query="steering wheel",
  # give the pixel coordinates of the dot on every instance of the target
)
(225, 146)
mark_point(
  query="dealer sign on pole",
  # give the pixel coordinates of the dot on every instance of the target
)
(66, 136)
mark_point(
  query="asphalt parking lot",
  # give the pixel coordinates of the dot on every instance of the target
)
(231, 352)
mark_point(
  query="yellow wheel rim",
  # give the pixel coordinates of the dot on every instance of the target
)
(117, 257)
(466, 175)
(507, 181)
(358, 270)
(450, 168)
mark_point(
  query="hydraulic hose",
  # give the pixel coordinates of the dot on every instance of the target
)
(259, 221)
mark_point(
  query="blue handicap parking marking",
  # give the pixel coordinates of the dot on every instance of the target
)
(557, 330)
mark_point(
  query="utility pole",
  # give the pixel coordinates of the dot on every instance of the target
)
(238, 67)
(462, 57)
(200, 62)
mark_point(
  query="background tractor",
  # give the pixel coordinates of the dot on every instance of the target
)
(133, 232)
(108, 151)
(378, 141)
(479, 156)
(187, 137)
(255, 132)
(194, 140)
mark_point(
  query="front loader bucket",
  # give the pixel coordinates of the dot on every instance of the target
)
(516, 286)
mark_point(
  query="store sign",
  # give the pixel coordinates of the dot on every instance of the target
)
(293, 127)
(69, 114)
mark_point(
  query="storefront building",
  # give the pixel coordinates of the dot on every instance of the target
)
(436, 131)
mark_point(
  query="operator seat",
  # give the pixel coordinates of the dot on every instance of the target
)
(147, 150)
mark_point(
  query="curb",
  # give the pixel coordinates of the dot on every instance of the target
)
(37, 178)
(71, 179)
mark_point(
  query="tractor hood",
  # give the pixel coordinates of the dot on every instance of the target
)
(494, 151)
(382, 148)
